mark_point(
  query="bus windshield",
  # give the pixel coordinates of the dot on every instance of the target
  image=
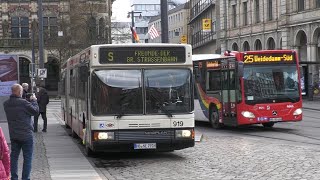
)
(271, 83)
(168, 91)
(122, 92)
(116, 92)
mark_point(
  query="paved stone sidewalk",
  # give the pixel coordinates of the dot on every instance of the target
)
(40, 166)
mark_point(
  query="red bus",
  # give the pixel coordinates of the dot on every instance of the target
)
(243, 88)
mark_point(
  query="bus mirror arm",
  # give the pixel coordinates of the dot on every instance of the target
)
(240, 68)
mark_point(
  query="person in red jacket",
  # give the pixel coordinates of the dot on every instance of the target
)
(4, 158)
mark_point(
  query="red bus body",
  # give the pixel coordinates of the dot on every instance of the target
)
(267, 91)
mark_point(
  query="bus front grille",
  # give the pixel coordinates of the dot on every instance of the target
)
(145, 135)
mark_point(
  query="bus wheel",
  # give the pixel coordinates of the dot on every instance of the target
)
(214, 118)
(268, 124)
(88, 151)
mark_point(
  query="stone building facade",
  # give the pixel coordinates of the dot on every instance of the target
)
(177, 24)
(68, 27)
(266, 24)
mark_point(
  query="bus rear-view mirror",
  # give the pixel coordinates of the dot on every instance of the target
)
(84, 73)
(240, 69)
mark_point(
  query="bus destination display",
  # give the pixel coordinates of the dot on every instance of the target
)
(268, 58)
(142, 55)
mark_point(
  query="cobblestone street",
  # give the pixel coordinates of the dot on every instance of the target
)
(221, 157)
(231, 154)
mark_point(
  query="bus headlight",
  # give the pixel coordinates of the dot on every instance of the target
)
(183, 133)
(248, 114)
(297, 112)
(103, 136)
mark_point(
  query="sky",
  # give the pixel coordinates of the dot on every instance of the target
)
(120, 9)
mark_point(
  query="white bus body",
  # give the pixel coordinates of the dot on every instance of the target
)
(130, 97)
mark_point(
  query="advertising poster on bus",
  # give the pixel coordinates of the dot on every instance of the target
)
(8, 73)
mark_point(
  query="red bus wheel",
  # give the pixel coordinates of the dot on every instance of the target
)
(214, 118)
(268, 124)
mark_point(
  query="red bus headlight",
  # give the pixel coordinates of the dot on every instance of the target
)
(297, 112)
(248, 114)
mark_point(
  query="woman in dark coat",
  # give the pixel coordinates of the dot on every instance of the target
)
(43, 100)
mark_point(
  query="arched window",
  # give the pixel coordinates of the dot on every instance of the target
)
(246, 46)
(271, 44)
(235, 47)
(258, 45)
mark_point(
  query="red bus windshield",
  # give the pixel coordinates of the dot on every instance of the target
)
(270, 83)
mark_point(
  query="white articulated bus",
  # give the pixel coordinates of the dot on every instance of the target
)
(130, 97)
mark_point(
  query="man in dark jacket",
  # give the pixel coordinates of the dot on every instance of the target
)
(19, 112)
(43, 100)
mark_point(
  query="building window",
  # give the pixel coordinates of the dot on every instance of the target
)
(270, 10)
(300, 5)
(92, 28)
(246, 46)
(20, 27)
(257, 11)
(101, 28)
(317, 3)
(235, 47)
(245, 14)
(50, 26)
(271, 44)
(258, 45)
(234, 15)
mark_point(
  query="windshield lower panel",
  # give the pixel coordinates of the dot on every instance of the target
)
(116, 92)
(271, 84)
(168, 91)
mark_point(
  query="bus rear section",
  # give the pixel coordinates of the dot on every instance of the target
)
(258, 87)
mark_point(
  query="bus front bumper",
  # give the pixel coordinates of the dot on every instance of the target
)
(103, 146)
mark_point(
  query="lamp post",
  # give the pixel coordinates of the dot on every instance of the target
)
(131, 13)
(40, 16)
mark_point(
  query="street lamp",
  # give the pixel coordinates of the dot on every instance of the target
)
(131, 13)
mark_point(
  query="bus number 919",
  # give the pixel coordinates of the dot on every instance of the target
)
(177, 123)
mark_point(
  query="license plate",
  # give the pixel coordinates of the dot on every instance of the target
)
(145, 146)
(275, 119)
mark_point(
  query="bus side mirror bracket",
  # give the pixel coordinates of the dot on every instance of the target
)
(84, 73)
(240, 68)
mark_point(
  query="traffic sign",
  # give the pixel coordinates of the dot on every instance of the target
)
(42, 73)
(184, 39)
(206, 25)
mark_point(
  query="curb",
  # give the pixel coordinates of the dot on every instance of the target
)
(311, 108)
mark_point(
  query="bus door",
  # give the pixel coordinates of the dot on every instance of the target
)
(213, 79)
(228, 78)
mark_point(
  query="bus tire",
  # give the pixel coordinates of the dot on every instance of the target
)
(268, 124)
(88, 151)
(214, 118)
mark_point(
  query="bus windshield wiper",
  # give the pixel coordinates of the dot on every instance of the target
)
(168, 113)
(119, 115)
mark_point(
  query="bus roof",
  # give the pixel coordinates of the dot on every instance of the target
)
(199, 57)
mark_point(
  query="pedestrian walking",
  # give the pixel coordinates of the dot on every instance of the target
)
(19, 112)
(4, 158)
(25, 87)
(43, 100)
